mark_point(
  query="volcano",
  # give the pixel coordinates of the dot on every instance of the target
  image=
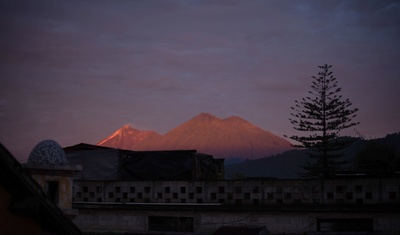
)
(128, 137)
(232, 137)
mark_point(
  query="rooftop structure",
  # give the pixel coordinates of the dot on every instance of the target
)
(103, 163)
(47, 152)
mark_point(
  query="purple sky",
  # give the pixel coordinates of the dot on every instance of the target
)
(75, 71)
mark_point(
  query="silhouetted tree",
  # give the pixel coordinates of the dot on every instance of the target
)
(323, 114)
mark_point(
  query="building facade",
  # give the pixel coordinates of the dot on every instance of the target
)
(355, 203)
(110, 192)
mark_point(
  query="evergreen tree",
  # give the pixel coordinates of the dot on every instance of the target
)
(323, 114)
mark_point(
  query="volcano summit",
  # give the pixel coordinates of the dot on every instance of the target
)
(232, 137)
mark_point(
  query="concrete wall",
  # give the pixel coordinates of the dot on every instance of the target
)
(242, 192)
(62, 174)
(206, 222)
(275, 222)
(116, 205)
(105, 220)
(64, 188)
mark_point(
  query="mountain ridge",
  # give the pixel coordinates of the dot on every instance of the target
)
(287, 165)
(231, 137)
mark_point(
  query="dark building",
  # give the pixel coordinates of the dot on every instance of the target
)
(241, 230)
(25, 208)
(140, 202)
(180, 192)
(103, 163)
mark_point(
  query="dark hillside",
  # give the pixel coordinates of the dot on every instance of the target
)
(287, 164)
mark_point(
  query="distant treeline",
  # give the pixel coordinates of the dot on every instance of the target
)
(372, 155)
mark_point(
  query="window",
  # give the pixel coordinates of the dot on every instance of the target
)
(329, 195)
(52, 191)
(159, 195)
(221, 189)
(132, 189)
(117, 199)
(344, 225)
(91, 194)
(349, 196)
(247, 196)
(117, 189)
(78, 194)
(238, 189)
(85, 189)
(124, 195)
(175, 195)
(213, 196)
(368, 195)
(191, 195)
(359, 189)
(167, 189)
(171, 224)
(270, 196)
(183, 189)
(147, 189)
(99, 199)
(315, 189)
(199, 190)
(256, 202)
(339, 189)
(110, 195)
(183, 200)
(288, 195)
(99, 189)
(140, 195)
(256, 189)
(199, 200)
(392, 195)
(230, 196)
(238, 202)
(279, 189)
(279, 201)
